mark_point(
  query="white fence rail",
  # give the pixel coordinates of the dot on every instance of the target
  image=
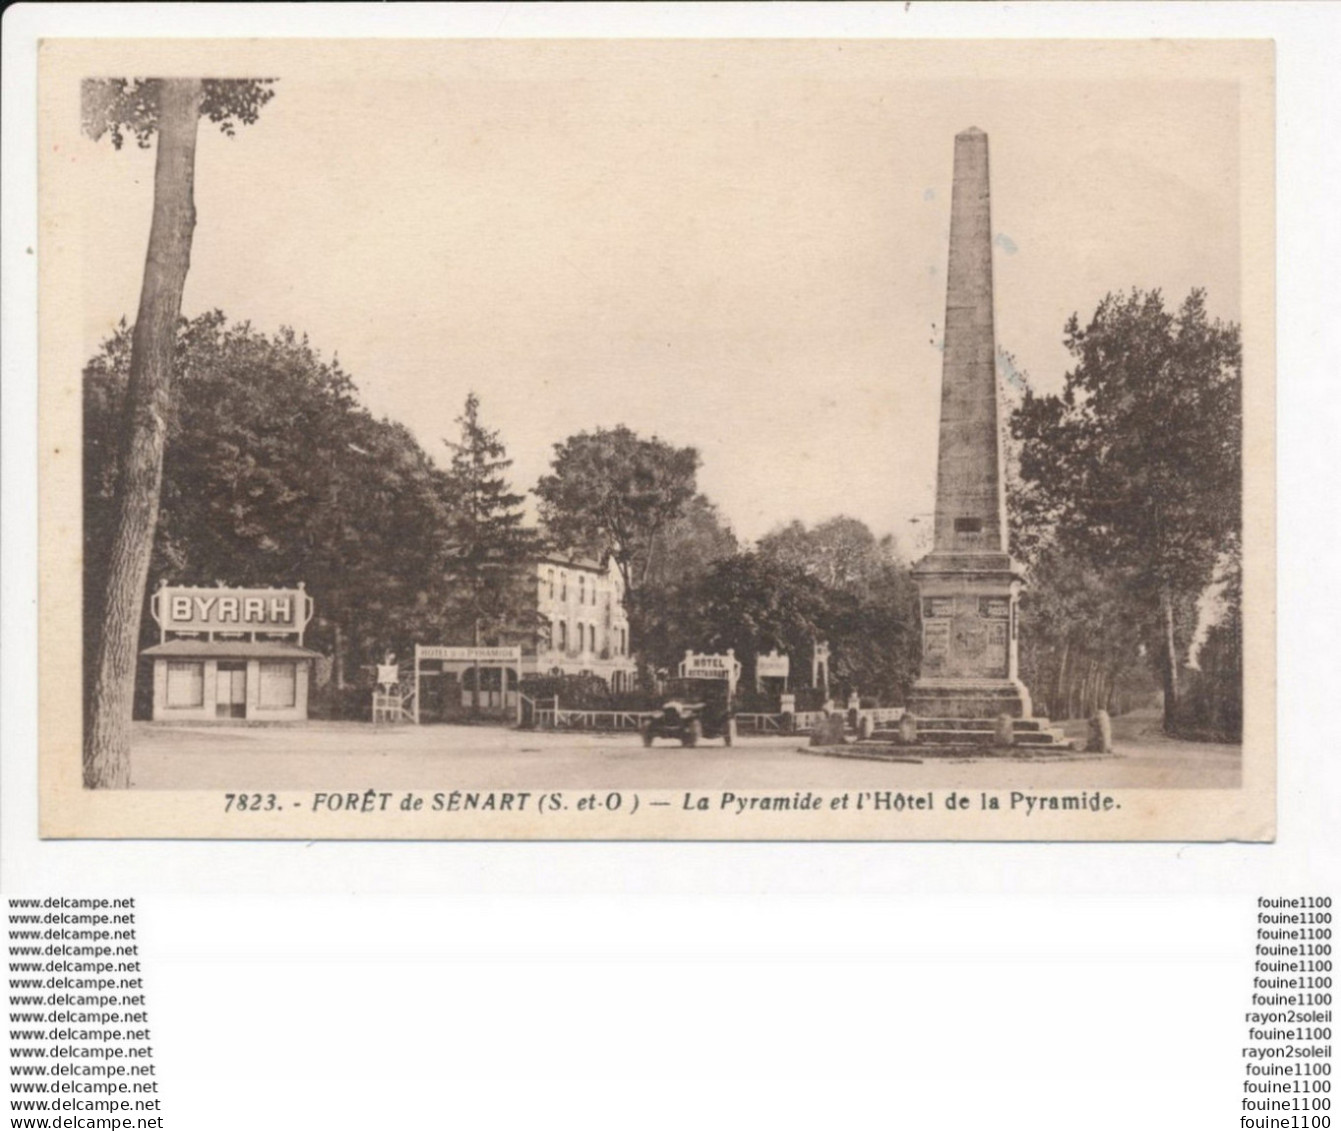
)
(547, 714)
(565, 718)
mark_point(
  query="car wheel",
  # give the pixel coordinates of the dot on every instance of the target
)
(693, 733)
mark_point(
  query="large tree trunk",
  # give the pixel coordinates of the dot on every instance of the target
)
(107, 735)
(1058, 705)
(1170, 660)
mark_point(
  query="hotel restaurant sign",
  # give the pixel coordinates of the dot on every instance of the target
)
(709, 665)
(179, 608)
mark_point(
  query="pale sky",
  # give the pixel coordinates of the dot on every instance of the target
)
(735, 245)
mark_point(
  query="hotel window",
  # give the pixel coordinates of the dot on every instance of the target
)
(582, 589)
(550, 578)
(563, 635)
(563, 587)
(186, 684)
(279, 685)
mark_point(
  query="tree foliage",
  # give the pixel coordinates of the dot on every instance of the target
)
(487, 548)
(1213, 705)
(1083, 638)
(872, 619)
(613, 493)
(1140, 454)
(273, 475)
(836, 583)
(1130, 477)
(840, 552)
(750, 603)
(121, 107)
(689, 545)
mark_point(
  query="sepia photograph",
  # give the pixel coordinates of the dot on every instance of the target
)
(657, 439)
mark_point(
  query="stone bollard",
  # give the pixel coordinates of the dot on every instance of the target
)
(864, 726)
(1005, 731)
(908, 729)
(1101, 734)
(828, 731)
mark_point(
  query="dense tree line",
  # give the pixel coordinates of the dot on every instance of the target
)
(1123, 496)
(833, 583)
(690, 585)
(1126, 505)
(274, 474)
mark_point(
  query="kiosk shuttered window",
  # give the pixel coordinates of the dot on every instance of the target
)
(186, 684)
(279, 684)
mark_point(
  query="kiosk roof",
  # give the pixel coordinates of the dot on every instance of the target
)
(234, 649)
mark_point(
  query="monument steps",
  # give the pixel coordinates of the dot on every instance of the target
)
(919, 755)
(1033, 733)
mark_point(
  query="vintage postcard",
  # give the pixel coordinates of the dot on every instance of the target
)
(657, 439)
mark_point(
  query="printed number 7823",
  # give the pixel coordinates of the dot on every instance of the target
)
(249, 802)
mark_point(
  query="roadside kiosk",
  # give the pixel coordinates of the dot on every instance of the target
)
(230, 655)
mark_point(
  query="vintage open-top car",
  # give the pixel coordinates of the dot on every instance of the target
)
(694, 709)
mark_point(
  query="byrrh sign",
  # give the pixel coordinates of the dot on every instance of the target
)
(185, 609)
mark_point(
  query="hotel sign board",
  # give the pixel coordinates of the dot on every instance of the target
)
(710, 665)
(180, 608)
(773, 666)
(467, 654)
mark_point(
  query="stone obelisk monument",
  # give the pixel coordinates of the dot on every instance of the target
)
(969, 584)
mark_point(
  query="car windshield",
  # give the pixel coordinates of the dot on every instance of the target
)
(698, 690)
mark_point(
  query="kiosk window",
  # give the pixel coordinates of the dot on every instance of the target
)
(186, 684)
(279, 685)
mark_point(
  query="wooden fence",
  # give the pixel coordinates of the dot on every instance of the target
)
(393, 706)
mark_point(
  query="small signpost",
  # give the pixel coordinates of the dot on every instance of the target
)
(772, 665)
(389, 701)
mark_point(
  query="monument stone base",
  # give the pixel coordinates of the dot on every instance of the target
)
(969, 634)
(969, 699)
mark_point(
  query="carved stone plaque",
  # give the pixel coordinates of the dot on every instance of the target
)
(938, 606)
(935, 644)
(994, 657)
